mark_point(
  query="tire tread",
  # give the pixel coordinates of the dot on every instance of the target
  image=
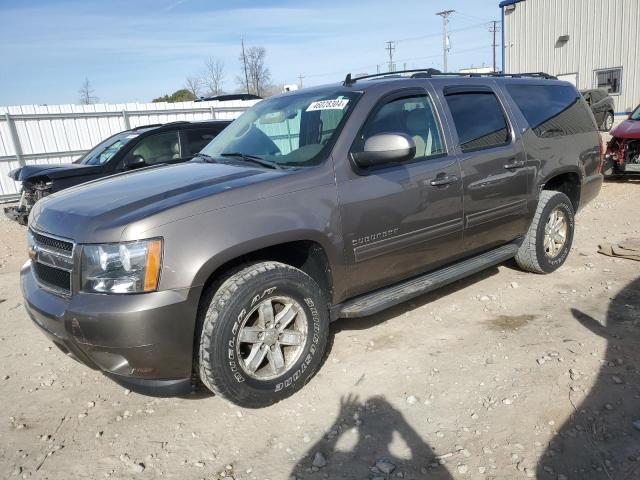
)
(527, 258)
(210, 372)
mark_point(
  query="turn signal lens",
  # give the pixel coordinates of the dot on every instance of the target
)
(152, 273)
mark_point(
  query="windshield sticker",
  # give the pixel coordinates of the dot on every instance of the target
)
(129, 137)
(337, 104)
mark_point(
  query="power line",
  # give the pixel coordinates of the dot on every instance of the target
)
(431, 35)
(300, 78)
(445, 38)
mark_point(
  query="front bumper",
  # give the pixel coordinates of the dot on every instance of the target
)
(144, 342)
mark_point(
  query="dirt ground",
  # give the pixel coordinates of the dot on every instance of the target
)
(504, 375)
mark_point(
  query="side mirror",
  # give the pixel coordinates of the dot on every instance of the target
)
(136, 161)
(386, 148)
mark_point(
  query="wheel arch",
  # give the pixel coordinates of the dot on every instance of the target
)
(304, 251)
(567, 181)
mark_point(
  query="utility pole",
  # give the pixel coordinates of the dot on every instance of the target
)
(244, 61)
(300, 78)
(445, 36)
(391, 47)
(494, 29)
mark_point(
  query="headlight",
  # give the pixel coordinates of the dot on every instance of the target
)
(131, 267)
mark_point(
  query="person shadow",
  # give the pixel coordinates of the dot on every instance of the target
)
(380, 444)
(601, 439)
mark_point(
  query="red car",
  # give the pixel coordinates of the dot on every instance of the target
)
(623, 150)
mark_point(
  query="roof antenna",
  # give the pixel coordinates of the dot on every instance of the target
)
(348, 81)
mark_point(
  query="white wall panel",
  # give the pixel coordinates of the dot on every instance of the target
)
(75, 131)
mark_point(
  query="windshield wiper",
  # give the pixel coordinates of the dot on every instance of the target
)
(205, 157)
(252, 159)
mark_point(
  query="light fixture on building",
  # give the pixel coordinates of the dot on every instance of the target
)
(562, 39)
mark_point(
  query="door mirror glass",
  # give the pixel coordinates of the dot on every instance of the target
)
(386, 148)
(134, 161)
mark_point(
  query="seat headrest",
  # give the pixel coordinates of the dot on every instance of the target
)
(416, 121)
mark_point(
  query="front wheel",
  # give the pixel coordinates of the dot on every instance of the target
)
(263, 334)
(548, 241)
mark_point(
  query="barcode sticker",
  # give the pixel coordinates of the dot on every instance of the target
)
(337, 104)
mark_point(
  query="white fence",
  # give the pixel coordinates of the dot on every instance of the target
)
(37, 134)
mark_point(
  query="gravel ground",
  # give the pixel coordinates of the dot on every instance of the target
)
(504, 375)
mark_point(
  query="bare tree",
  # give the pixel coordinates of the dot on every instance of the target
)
(86, 93)
(193, 83)
(213, 75)
(258, 74)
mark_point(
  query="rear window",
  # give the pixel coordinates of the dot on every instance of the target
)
(552, 110)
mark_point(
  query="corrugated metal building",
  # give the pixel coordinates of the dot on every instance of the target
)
(591, 43)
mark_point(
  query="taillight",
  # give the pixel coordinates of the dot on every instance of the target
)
(601, 153)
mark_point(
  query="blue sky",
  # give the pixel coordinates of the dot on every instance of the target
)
(139, 49)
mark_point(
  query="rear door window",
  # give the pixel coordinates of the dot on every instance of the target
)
(552, 110)
(479, 120)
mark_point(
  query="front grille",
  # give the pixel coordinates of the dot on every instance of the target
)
(54, 277)
(53, 242)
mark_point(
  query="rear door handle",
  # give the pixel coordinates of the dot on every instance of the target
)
(513, 164)
(440, 181)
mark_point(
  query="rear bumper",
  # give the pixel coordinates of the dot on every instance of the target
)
(144, 342)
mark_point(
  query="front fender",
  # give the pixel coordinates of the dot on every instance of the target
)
(195, 247)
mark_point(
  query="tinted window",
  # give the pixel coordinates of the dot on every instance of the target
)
(197, 139)
(552, 110)
(159, 148)
(412, 116)
(479, 120)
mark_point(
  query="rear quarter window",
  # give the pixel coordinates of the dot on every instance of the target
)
(552, 110)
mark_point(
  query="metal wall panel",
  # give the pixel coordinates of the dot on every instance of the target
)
(62, 133)
(602, 34)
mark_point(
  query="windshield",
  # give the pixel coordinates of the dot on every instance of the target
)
(291, 130)
(636, 114)
(104, 151)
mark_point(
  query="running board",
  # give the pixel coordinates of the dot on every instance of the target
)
(374, 302)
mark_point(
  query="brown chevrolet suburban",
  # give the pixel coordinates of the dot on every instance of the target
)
(324, 203)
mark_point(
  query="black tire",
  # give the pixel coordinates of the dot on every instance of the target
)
(532, 255)
(221, 366)
(607, 122)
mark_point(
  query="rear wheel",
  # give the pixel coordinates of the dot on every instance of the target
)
(264, 334)
(548, 241)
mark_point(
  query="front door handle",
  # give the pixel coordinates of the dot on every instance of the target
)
(440, 181)
(513, 164)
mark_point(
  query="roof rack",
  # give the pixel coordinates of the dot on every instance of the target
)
(432, 72)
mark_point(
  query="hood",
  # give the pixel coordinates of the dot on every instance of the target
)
(61, 170)
(100, 211)
(627, 129)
